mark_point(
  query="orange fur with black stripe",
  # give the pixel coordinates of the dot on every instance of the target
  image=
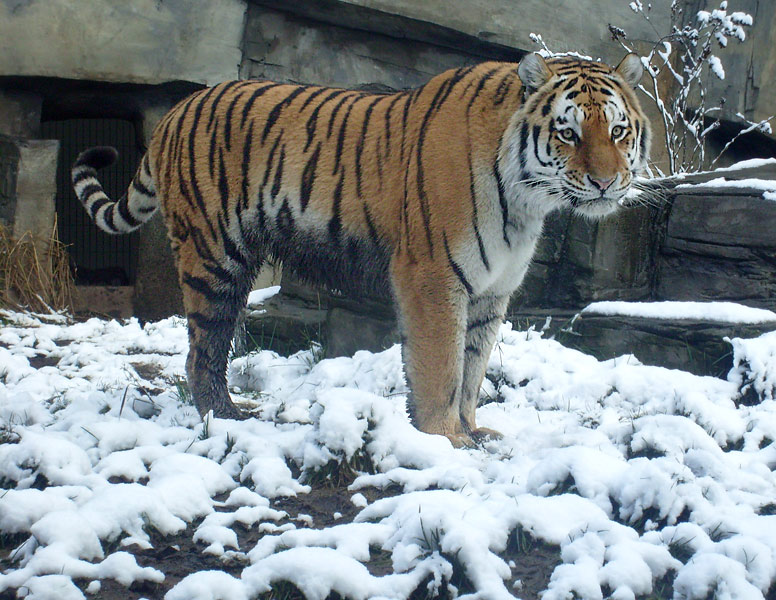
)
(435, 195)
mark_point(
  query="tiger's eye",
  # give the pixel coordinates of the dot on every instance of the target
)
(568, 135)
(617, 131)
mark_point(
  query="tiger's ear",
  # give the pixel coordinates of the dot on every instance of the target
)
(533, 72)
(631, 69)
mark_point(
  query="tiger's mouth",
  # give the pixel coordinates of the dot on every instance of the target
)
(580, 196)
(594, 206)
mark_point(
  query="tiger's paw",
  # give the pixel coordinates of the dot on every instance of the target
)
(484, 434)
(461, 440)
(230, 411)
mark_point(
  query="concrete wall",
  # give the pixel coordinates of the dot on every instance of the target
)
(21, 113)
(35, 188)
(284, 46)
(139, 41)
(479, 24)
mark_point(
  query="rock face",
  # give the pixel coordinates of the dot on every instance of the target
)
(576, 263)
(283, 46)
(749, 67)
(720, 246)
(298, 316)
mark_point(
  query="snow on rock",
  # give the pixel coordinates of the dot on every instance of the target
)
(725, 312)
(767, 185)
(636, 473)
(750, 163)
(259, 297)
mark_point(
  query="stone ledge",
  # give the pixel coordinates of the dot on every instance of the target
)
(687, 344)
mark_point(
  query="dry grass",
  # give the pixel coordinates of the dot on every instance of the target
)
(34, 272)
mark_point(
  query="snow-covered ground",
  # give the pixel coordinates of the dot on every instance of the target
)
(638, 474)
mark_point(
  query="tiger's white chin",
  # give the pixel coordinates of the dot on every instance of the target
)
(595, 209)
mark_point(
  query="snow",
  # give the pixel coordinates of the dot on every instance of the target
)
(545, 52)
(748, 164)
(724, 312)
(258, 297)
(618, 464)
(715, 64)
(721, 182)
(767, 186)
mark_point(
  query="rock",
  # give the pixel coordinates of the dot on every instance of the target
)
(690, 345)
(286, 324)
(347, 332)
(723, 216)
(719, 245)
(91, 299)
(749, 67)
(579, 261)
(156, 293)
(300, 315)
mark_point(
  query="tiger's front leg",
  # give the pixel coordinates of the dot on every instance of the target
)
(484, 318)
(432, 312)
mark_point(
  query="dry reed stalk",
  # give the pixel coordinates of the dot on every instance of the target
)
(34, 272)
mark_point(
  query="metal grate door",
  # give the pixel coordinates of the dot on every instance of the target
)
(98, 258)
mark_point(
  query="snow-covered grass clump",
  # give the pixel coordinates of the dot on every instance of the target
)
(641, 477)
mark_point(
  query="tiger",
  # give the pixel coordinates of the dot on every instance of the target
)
(434, 197)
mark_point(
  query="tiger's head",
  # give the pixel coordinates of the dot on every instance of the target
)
(580, 136)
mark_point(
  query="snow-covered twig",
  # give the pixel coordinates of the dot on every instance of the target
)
(687, 55)
(761, 126)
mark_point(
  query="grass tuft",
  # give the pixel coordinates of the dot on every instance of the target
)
(338, 473)
(182, 390)
(34, 273)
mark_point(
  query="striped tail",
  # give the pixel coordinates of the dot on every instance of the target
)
(122, 216)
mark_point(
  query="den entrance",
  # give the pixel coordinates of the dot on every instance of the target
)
(96, 257)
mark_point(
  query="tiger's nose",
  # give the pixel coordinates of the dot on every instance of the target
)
(601, 183)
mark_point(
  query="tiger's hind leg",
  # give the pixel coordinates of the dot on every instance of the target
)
(214, 293)
(484, 318)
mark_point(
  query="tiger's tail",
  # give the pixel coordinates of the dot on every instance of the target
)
(113, 216)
